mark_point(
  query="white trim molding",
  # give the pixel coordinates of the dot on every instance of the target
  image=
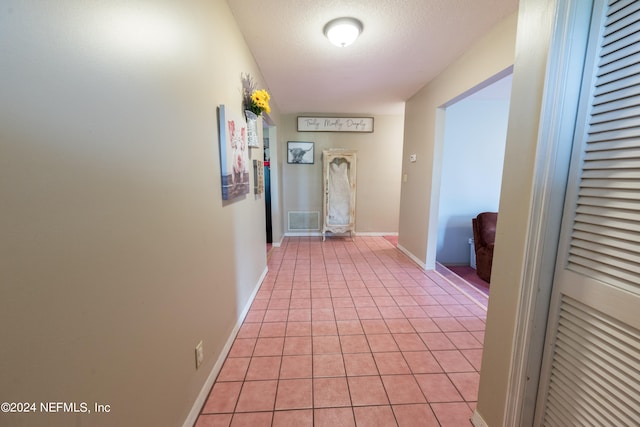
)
(355, 233)
(374, 233)
(302, 234)
(462, 291)
(477, 421)
(278, 244)
(412, 256)
(556, 126)
(204, 391)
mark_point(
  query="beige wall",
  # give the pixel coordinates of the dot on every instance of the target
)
(378, 172)
(424, 118)
(117, 252)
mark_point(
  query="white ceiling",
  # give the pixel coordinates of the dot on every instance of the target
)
(404, 44)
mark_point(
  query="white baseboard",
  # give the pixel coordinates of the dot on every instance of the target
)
(374, 233)
(278, 244)
(477, 420)
(412, 256)
(462, 291)
(303, 234)
(204, 392)
(355, 233)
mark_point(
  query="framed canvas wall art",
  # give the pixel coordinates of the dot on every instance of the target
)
(234, 154)
(300, 152)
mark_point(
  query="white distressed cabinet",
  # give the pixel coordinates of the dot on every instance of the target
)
(339, 173)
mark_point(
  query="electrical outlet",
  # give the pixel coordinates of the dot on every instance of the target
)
(199, 354)
(413, 158)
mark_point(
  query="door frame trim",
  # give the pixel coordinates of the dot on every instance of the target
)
(559, 106)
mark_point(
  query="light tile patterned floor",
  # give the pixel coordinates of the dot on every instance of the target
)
(346, 333)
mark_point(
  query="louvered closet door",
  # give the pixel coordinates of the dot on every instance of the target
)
(591, 366)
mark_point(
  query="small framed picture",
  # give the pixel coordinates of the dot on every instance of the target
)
(299, 152)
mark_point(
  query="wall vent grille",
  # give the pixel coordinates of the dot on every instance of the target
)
(304, 221)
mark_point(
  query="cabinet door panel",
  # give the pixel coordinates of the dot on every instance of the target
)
(339, 169)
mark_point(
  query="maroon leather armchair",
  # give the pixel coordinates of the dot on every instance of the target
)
(484, 237)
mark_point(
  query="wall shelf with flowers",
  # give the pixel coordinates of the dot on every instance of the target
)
(255, 102)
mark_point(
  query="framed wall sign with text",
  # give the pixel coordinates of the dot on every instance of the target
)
(335, 124)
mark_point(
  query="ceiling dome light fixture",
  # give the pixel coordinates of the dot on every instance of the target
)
(343, 31)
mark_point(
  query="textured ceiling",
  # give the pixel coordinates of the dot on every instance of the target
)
(404, 44)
